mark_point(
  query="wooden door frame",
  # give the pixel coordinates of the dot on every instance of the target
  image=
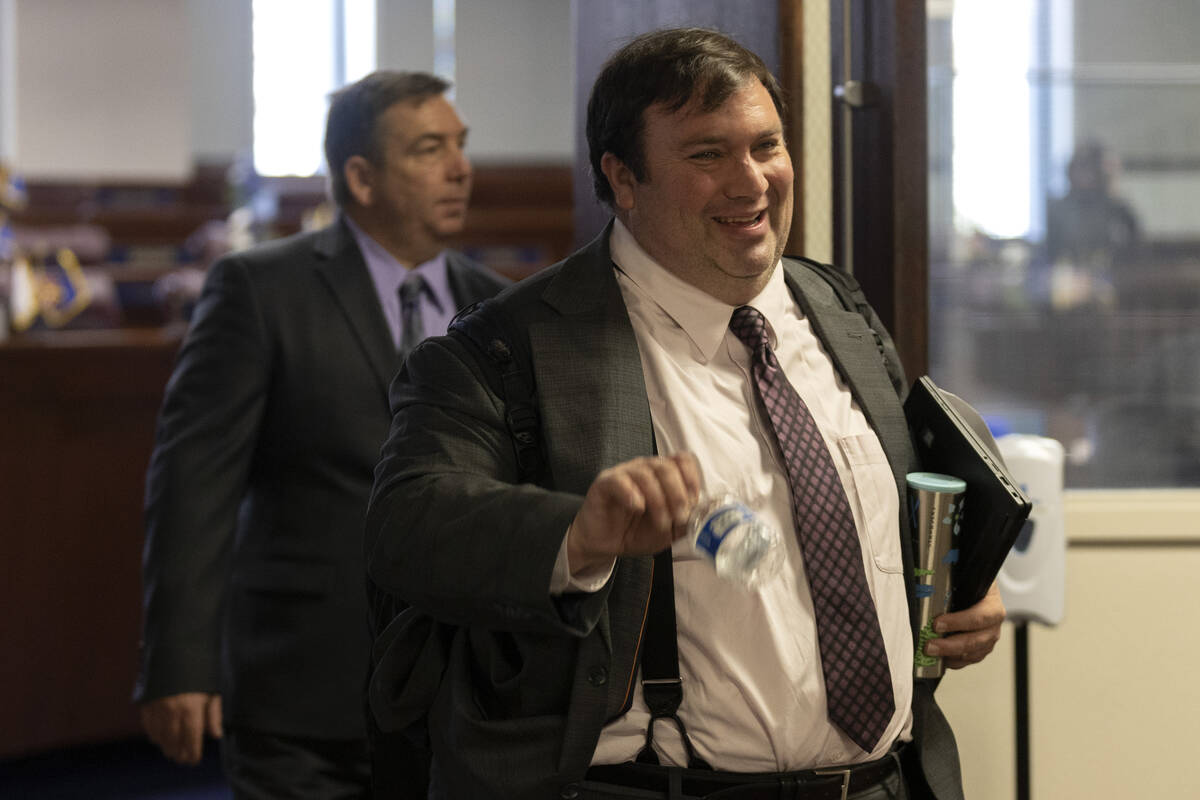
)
(881, 229)
(791, 79)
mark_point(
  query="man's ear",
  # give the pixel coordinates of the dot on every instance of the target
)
(360, 180)
(621, 179)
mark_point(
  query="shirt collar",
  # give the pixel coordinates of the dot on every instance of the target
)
(390, 273)
(704, 318)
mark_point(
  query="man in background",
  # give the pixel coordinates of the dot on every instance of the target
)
(255, 609)
(678, 353)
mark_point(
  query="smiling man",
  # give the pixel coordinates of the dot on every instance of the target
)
(580, 647)
(255, 613)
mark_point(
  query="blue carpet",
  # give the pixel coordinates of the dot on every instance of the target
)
(133, 770)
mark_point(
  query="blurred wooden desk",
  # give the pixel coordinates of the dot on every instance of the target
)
(77, 411)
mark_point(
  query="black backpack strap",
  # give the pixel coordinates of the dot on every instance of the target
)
(852, 298)
(481, 324)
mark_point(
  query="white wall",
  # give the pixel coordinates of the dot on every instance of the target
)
(7, 73)
(221, 107)
(405, 34)
(99, 90)
(140, 89)
(515, 78)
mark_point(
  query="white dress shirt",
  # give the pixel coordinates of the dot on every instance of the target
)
(753, 690)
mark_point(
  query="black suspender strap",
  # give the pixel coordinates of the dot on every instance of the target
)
(662, 688)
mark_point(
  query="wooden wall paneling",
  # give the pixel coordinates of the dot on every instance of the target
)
(77, 413)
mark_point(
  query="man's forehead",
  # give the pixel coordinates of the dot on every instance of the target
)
(694, 109)
(700, 99)
(425, 116)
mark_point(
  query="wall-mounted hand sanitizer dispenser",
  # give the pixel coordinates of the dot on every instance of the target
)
(1033, 578)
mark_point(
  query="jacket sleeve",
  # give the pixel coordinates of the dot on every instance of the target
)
(448, 529)
(204, 445)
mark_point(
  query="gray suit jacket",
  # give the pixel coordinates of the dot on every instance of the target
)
(257, 489)
(518, 683)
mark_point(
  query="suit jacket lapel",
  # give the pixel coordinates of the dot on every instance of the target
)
(341, 266)
(457, 275)
(468, 283)
(851, 345)
(589, 371)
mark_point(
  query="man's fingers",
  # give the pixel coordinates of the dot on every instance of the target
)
(974, 618)
(689, 473)
(987, 613)
(973, 632)
(637, 507)
(661, 485)
(618, 489)
(191, 738)
(176, 724)
(215, 724)
(964, 648)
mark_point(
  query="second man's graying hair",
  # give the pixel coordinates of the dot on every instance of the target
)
(670, 67)
(353, 127)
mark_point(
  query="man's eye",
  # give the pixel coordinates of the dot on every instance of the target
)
(705, 155)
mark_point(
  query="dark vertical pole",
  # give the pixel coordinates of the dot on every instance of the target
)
(1021, 670)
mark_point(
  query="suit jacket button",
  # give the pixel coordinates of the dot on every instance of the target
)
(569, 792)
(598, 676)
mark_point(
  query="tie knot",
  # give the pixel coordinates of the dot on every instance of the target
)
(411, 289)
(749, 325)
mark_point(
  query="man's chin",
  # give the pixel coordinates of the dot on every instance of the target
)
(752, 266)
(450, 229)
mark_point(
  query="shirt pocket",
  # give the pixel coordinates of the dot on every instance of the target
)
(878, 503)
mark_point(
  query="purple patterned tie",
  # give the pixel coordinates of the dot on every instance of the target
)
(858, 682)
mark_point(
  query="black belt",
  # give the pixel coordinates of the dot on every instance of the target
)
(835, 783)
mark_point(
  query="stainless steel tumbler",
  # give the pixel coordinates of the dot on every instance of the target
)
(935, 502)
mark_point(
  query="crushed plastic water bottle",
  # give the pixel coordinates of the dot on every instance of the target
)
(742, 546)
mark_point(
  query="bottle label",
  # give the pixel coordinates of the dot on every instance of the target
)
(718, 524)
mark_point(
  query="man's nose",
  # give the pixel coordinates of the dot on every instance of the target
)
(458, 167)
(747, 178)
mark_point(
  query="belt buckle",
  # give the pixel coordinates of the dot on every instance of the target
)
(845, 773)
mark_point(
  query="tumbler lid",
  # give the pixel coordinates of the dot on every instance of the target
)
(936, 482)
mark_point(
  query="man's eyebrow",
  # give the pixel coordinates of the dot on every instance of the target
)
(432, 136)
(439, 136)
(699, 141)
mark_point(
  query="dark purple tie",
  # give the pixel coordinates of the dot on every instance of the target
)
(858, 682)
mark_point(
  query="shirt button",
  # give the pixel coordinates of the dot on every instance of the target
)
(569, 792)
(598, 676)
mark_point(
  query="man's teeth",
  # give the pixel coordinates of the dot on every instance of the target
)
(738, 220)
